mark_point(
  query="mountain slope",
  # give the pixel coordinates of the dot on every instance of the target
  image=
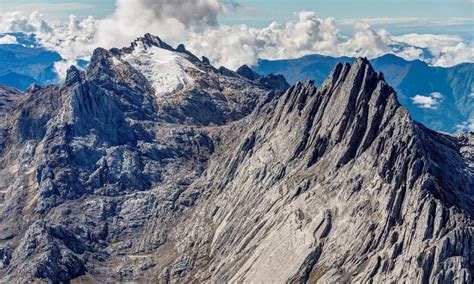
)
(9, 99)
(15, 80)
(217, 177)
(26, 63)
(409, 78)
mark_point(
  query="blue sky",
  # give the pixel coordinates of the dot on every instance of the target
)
(261, 12)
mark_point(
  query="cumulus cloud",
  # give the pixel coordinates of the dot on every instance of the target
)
(17, 22)
(446, 50)
(8, 39)
(429, 102)
(172, 20)
(234, 46)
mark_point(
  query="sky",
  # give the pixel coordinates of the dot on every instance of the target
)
(235, 32)
(397, 16)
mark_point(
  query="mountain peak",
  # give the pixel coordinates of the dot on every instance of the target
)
(149, 40)
(248, 73)
(349, 109)
(72, 75)
(271, 81)
(360, 75)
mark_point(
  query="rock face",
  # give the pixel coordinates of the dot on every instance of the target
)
(128, 173)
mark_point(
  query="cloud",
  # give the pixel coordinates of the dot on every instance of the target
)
(172, 20)
(429, 102)
(446, 50)
(233, 46)
(17, 22)
(8, 39)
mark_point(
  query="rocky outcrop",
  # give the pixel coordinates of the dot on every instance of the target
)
(271, 81)
(227, 179)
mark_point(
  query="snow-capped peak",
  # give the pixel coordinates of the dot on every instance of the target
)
(164, 67)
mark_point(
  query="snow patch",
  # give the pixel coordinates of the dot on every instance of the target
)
(164, 69)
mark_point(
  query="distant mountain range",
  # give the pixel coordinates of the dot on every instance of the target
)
(441, 98)
(26, 63)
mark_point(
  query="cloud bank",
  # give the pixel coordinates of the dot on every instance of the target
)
(195, 23)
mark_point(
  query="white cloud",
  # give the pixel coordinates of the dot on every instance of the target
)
(17, 22)
(8, 39)
(233, 46)
(430, 102)
(447, 50)
(172, 20)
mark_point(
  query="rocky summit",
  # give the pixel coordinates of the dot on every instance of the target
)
(153, 166)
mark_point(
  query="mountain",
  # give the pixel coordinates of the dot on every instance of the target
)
(15, 80)
(441, 98)
(26, 62)
(154, 166)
